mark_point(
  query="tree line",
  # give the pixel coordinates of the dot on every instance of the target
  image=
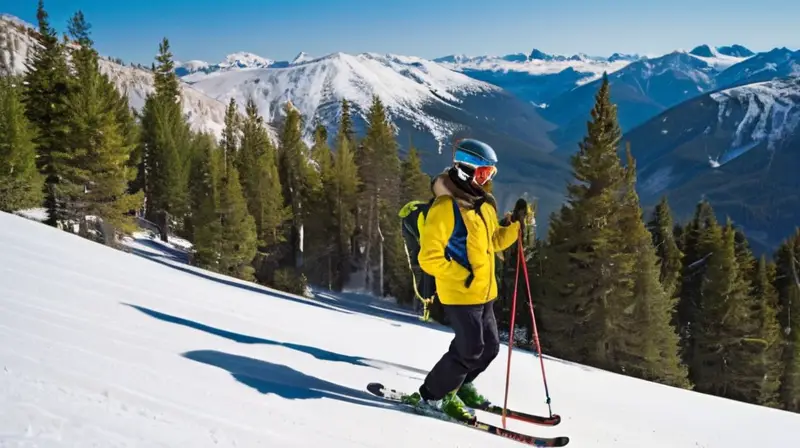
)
(256, 206)
(687, 305)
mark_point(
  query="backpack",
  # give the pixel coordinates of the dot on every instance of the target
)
(413, 216)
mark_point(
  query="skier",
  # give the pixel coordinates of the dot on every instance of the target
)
(458, 242)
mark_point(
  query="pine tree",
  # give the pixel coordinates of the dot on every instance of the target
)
(579, 279)
(414, 183)
(94, 170)
(664, 240)
(261, 183)
(346, 184)
(238, 234)
(380, 173)
(295, 175)
(646, 343)
(46, 87)
(21, 184)
(204, 199)
(787, 282)
(238, 237)
(768, 344)
(721, 361)
(346, 123)
(695, 263)
(322, 231)
(230, 134)
(164, 138)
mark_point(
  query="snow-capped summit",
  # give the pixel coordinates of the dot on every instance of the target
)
(244, 60)
(735, 51)
(720, 60)
(301, 58)
(405, 85)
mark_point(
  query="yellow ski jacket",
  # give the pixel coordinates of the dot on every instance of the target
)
(456, 240)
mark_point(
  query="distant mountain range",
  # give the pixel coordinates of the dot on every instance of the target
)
(738, 147)
(683, 112)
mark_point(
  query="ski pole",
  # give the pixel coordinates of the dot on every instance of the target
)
(511, 335)
(533, 322)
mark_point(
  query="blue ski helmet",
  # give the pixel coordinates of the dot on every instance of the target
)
(475, 160)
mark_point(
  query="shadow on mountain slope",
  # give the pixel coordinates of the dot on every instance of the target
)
(281, 380)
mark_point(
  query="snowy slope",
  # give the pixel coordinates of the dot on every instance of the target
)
(204, 113)
(737, 147)
(720, 58)
(316, 87)
(772, 111)
(104, 348)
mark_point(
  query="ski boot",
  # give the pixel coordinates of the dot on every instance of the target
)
(450, 405)
(469, 396)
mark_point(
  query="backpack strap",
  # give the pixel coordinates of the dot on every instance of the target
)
(456, 248)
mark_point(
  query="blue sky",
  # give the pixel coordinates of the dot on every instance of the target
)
(279, 29)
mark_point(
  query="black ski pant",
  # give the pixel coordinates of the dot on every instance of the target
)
(473, 348)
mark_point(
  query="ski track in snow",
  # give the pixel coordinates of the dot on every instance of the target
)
(105, 348)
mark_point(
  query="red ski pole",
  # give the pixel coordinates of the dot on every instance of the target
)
(533, 323)
(511, 335)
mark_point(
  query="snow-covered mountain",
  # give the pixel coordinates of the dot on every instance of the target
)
(738, 147)
(204, 113)
(776, 63)
(106, 348)
(641, 90)
(537, 77)
(404, 84)
(235, 61)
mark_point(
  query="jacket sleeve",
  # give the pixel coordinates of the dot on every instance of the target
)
(505, 236)
(435, 233)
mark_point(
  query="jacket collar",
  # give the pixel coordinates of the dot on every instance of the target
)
(465, 195)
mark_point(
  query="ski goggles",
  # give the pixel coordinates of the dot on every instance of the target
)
(482, 172)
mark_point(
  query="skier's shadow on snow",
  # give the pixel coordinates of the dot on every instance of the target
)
(321, 354)
(281, 380)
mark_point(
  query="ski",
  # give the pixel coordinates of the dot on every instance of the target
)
(394, 396)
(521, 416)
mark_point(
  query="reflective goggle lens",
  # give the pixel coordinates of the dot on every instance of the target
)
(484, 174)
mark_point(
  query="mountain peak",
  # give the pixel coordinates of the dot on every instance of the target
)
(735, 50)
(704, 51)
(245, 59)
(540, 55)
(301, 57)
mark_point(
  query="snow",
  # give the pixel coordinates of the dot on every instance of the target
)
(404, 84)
(772, 111)
(301, 58)
(592, 67)
(106, 348)
(37, 214)
(193, 65)
(245, 60)
(716, 59)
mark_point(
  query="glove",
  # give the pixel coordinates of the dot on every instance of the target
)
(522, 213)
